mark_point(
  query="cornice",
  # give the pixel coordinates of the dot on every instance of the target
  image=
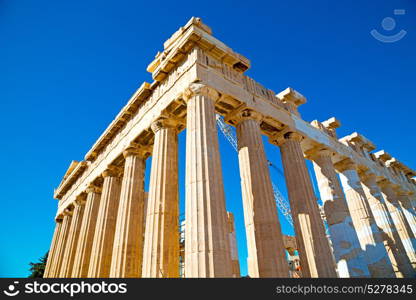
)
(70, 179)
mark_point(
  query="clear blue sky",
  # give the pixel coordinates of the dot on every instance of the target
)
(67, 67)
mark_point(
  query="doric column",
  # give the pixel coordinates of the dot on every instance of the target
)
(314, 251)
(233, 246)
(128, 241)
(412, 199)
(161, 241)
(403, 227)
(266, 255)
(52, 249)
(392, 241)
(86, 235)
(207, 250)
(61, 246)
(72, 241)
(407, 208)
(102, 247)
(347, 250)
(368, 233)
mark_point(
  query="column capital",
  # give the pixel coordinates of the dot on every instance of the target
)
(93, 188)
(58, 218)
(281, 138)
(136, 149)
(111, 171)
(68, 212)
(163, 122)
(317, 152)
(243, 114)
(81, 199)
(200, 89)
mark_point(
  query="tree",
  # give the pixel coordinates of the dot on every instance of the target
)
(37, 269)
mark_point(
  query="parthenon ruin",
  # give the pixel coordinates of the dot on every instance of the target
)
(108, 226)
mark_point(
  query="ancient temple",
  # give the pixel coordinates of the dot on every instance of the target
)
(108, 226)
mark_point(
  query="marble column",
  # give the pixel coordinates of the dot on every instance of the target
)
(207, 250)
(52, 250)
(128, 241)
(86, 235)
(369, 235)
(161, 241)
(412, 199)
(392, 241)
(403, 227)
(266, 255)
(72, 240)
(348, 254)
(61, 246)
(315, 255)
(102, 247)
(407, 208)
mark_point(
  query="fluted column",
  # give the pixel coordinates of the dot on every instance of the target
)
(52, 249)
(368, 233)
(314, 251)
(266, 255)
(161, 241)
(60, 247)
(102, 247)
(392, 241)
(207, 251)
(72, 241)
(408, 211)
(412, 199)
(87, 231)
(348, 254)
(128, 241)
(403, 227)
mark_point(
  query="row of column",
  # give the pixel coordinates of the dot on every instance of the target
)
(360, 212)
(104, 235)
(205, 238)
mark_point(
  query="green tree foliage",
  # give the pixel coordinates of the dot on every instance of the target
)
(37, 269)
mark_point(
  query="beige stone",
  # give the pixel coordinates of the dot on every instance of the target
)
(87, 232)
(196, 76)
(52, 250)
(314, 250)
(128, 238)
(72, 239)
(266, 257)
(60, 247)
(102, 247)
(207, 246)
(161, 243)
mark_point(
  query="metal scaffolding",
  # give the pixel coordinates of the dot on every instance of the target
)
(281, 202)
